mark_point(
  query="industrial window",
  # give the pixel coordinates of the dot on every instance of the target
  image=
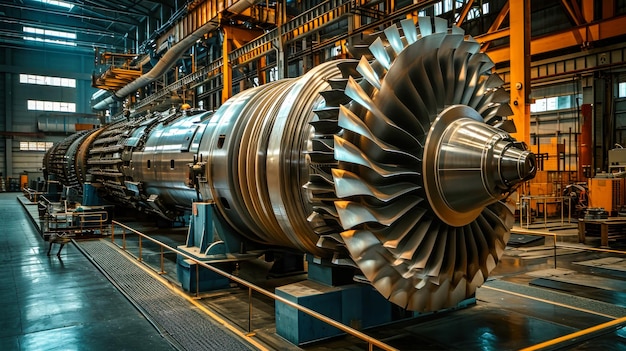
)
(446, 6)
(273, 74)
(475, 12)
(552, 103)
(47, 80)
(437, 8)
(35, 145)
(44, 36)
(621, 90)
(67, 5)
(49, 32)
(56, 106)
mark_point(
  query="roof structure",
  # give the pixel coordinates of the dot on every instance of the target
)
(111, 25)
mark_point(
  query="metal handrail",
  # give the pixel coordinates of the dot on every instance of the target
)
(545, 208)
(523, 231)
(581, 334)
(370, 340)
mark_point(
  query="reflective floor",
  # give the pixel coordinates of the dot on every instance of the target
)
(65, 303)
(60, 303)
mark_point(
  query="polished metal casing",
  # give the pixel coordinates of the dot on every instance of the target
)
(256, 162)
(141, 163)
(161, 165)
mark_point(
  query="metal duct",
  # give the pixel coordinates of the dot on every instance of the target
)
(171, 56)
(66, 124)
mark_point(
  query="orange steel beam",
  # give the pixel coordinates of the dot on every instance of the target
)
(573, 11)
(241, 36)
(464, 12)
(578, 36)
(497, 23)
(227, 69)
(608, 9)
(587, 10)
(500, 18)
(519, 18)
(493, 35)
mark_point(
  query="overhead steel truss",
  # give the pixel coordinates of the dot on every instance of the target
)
(583, 32)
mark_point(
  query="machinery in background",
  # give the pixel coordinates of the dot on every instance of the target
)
(606, 193)
(603, 195)
(578, 199)
(391, 170)
(607, 190)
(617, 160)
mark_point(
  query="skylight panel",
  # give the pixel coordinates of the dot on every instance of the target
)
(64, 4)
(50, 33)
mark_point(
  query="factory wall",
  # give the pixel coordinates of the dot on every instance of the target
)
(4, 96)
(18, 123)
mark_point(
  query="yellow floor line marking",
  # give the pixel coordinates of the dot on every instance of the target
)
(548, 301)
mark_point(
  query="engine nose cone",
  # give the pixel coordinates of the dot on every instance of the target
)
(516, 165)
(469, 165)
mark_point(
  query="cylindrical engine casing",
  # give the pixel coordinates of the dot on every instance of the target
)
(162, 164)
(255, 150)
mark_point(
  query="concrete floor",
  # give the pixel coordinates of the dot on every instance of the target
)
(526, 301)
(60, 303)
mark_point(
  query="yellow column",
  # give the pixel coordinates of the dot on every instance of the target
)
(260, 69)
(227, 74)
(519, 19)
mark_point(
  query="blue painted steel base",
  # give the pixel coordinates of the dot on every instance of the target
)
(359, 306)
(323, 271)
(90, 196)
(355, 305)
(201, 244)
(207, 279)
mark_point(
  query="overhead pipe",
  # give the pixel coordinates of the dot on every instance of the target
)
(171, 56)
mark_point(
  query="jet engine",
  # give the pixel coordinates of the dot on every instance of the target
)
(396, 163)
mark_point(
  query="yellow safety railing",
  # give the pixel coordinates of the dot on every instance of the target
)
(584, 334)
(372, 342)
(77, 221)
(523, 231)
(579, 335)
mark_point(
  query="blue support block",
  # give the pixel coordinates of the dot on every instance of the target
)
(359, 306)
(203, 245)
(90, 196)
(206, 228)
(208, 280)
(355, 305)
(200, 233)
(325, 272)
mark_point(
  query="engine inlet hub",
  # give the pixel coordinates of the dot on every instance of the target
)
(469, 165)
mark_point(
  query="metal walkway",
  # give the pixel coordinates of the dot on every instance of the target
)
(189, 328)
